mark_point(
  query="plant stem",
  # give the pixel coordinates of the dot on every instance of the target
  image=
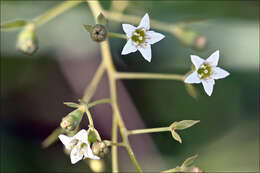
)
(152, 130)
(114, 147)
(119, 17)
(117, 35)
(52, 13)
(122, 75)
(97, 102)
(91, 124)
(89, 92)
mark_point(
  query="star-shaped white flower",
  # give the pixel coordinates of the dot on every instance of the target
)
(79, 146)
(141, 38)
(206, 71)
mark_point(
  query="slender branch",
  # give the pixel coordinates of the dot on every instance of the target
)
(107, 58)
(117, 35)
(122, 75)
(152, 130)
(114, 147)
(97, 102)
(89, 92)
(164, 26)
(91, 124)
(52, 13)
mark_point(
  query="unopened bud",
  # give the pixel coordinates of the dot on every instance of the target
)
(190, 38)
(27, 40)
(99, 148)
(72, 120)
(98, 33)
(93, 135)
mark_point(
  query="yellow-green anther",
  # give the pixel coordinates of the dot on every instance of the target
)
(72, 120)
(27, 40)
(139, 36)
(204, 71)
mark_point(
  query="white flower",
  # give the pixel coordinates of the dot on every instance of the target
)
(79, 146)
(140, 38)
(206, 71)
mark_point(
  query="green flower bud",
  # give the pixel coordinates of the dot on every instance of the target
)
(93, 135)
(98, 33)
(99, 148)
(27, 40)
(72, 120)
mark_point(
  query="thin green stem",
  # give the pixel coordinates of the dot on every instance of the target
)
(152, 130)
(97, 102)
(117, 35)
(52, 13)
(114, 147)
(122, 75)
(91, 124)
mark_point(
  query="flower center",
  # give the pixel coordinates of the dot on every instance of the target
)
(138, 36)
(204, 71)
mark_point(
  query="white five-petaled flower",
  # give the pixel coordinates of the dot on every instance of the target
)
(140, 38)
(206, 71)
(79, 146)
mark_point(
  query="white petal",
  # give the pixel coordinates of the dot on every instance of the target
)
(196, 61)
(208, 86)
(219, 73)
(192, 78)
(89, 154)
(82, 136)
(213, 58)
(75, 155)
(145, 22)
(128, 29)
(66, 141)
(129, 48)
(153, 37)
(146, 52)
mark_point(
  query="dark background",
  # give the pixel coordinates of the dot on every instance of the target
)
(33, 88)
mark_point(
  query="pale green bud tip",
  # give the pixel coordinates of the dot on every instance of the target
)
(72, 120)
(98, 33)
(99, 148)
(27, 40)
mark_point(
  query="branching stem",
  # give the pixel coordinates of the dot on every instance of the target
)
(152, 130)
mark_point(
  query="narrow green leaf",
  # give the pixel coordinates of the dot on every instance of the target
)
(177, 169)
(52, 137)
(184, 124)
(13, 24)
(176, 136)
(101, 19)
(71, 104)
(88, 28)
(189, 161)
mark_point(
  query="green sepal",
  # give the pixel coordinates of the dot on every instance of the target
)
(71, 104)
(88, 28)
(176, 136)
(102, 20)
(72, 120)
(93, 135)
(183, 124)
(189, 161)
(13, 24)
